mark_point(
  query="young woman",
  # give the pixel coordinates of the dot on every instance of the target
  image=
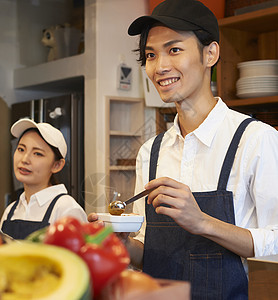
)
(39, 155)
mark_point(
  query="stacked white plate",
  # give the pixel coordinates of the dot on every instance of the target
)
(258, 78)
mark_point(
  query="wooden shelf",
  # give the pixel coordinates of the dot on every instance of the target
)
(123, 133)
(246, 37)
(125, 127)
(257, 21)
(122, 168)
(252, 101)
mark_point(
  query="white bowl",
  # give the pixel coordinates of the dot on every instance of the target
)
(122, 223)
(256, 93)
(258, 68)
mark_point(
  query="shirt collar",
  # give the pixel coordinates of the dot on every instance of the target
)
(207, 129)
(46, 194)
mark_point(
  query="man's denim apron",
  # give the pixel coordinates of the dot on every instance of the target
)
(170, 252)
(20, 229)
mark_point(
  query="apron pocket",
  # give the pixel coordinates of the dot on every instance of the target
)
(206, 276)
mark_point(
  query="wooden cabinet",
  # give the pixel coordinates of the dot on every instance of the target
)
(125, 129)
(246, 37)
(263, 277)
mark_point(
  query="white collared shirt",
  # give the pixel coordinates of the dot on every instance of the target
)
(196, 161)
(39, 202)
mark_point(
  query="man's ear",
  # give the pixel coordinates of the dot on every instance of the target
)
(58, 165)
(212, 54)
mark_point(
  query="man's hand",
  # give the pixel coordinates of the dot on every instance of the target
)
(181, 204)
(93, 217)
(183, 208)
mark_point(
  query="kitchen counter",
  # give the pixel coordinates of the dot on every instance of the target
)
(263, 278)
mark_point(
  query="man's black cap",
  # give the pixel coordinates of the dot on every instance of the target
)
(184, 15)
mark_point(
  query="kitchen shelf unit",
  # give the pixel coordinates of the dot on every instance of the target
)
(125, 130)
(246, 37)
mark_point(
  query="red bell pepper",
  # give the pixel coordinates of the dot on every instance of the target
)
(106, 257)
(66, 232)
(104, 253)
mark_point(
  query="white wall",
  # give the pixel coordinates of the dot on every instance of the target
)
(112, 44)
(8, 48)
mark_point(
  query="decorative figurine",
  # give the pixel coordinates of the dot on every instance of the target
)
(62, 41)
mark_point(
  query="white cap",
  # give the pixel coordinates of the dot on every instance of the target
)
(51, 135)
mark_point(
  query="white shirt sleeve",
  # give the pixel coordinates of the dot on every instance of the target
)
(67, 206)
(264, 192)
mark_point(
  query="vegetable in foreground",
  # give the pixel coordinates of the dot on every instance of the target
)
(103, 252)
(37, 271)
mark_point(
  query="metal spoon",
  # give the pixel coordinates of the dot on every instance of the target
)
(118, 207)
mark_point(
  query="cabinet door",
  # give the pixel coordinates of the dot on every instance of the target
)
(247, 37)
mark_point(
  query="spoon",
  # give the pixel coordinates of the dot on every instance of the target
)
(117, 207)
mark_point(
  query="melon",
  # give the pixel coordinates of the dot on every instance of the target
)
(45, 272)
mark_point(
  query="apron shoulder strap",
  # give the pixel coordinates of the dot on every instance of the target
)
(50, 208)
(11, 212)
(154, 155)
(230, 155)
(228, 161)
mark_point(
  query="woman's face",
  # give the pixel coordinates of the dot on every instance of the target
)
(174, 65)
(34, 161)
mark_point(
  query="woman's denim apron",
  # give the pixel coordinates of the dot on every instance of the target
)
(20, 229)
(170, 252)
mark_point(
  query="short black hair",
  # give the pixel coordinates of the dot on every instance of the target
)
(203, 37)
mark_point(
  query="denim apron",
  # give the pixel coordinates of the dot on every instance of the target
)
(170, 252)
(20, 229)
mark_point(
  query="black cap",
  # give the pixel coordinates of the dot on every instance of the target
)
(184, 15)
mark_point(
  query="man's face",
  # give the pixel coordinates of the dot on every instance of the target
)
(174, 65)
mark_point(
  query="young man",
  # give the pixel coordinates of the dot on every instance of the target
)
(216, 197)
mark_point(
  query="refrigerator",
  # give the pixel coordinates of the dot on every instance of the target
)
(66, 113)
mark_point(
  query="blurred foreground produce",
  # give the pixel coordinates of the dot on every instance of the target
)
(129, 284)
(104, 253)
(42, 272)
(134, 285)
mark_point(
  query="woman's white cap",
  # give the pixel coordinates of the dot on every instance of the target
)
(51, 135)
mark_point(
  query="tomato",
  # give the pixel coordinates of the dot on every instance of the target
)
(115, 245)
(128, 285)
(106, 257)
(66, 233)
(92, 228)
(71, 221)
